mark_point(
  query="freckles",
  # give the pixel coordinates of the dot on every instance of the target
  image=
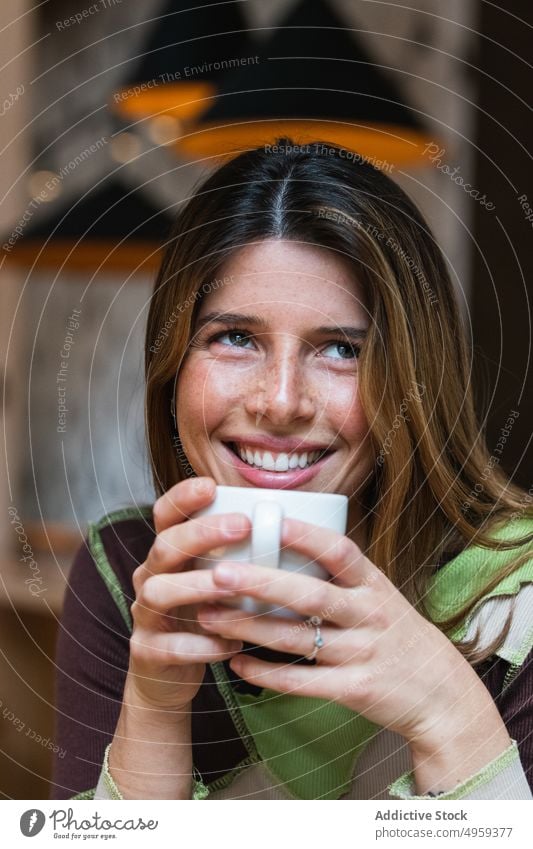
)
(192, 395)
(206, 391)
(222, 387)
(342, 406)
(198, 381)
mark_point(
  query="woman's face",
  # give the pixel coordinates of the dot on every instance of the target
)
(268, 393)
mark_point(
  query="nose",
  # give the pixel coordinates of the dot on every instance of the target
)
(280, 390)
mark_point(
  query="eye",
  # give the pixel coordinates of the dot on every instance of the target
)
(345, 350)
(237, 338)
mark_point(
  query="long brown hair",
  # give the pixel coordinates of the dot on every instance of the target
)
(435, 488)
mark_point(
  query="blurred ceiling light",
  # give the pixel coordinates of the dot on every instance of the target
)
(183, 100)
(112, 227)
(183, 60)
(164, 130)
(44, 186)
(125, 147)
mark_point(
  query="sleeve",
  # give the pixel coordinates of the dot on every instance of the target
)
(108, 790)
(91, 664)
(514, 700)
(502, 778)
(510, 775)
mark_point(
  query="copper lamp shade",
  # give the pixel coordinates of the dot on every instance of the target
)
(310, 80)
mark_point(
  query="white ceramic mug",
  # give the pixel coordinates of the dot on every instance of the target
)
(266, 508)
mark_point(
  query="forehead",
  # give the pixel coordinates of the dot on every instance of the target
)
(306, 279)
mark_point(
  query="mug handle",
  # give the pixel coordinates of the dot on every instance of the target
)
(266, 533)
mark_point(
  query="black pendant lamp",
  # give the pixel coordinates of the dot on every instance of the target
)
(112, 227)
(313, 80)
(185, 57)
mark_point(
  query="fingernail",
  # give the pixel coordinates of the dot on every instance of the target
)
(227, 574)
(235, 524)
(203, 486)
(236, 645)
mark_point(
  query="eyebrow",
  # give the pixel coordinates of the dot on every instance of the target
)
(229, 318)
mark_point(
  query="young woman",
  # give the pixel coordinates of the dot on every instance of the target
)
(303, 333)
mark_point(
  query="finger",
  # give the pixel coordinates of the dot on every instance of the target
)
(179, 648)
(340, 646)
(178, 544)
(161, 593)
(182, 500)
(341, 557)
(302, 593)
(323, 682)
(174, 547)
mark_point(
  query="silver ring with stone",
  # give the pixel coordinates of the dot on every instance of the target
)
(318, 642)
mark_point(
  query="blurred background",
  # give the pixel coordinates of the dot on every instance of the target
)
(110, 112)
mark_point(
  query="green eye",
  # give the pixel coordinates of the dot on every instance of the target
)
(239, 338)
(348, 351)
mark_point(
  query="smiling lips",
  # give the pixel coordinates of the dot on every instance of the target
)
(280, 475)
(276, 462)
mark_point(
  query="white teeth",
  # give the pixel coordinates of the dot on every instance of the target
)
(276, 462)
(268, 462)
(282, 463)
(302, 462)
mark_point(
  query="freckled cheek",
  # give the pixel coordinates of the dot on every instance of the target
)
(205, 393)
(343, 409)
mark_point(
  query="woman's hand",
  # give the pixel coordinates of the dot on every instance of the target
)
(380, 656)
(151, 751)
(168, 649)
